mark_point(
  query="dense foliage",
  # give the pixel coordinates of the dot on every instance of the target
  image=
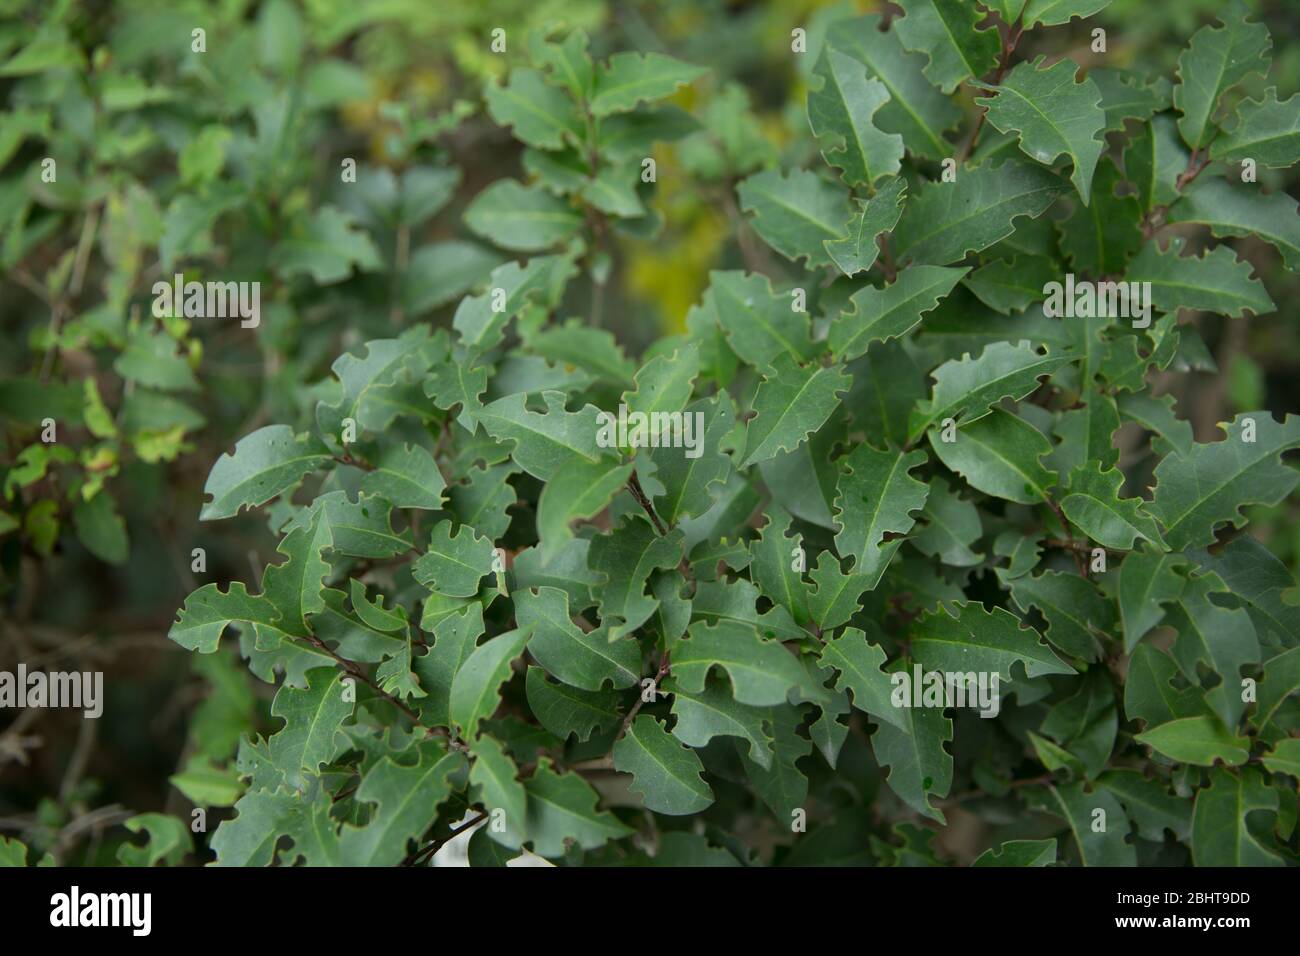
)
(934, 409)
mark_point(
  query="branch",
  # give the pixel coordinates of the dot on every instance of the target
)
(421, 855)
(1004, 62)
(634, 486)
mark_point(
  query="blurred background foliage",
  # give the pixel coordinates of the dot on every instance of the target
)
(230, 163)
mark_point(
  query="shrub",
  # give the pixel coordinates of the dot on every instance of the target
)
(900, 525)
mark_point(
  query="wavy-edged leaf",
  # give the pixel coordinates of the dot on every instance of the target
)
(1193, 495)
(1051, 113)
(945, 221)
(791, 403)
(667, 774)
(1217, 59)
(880, 314)
(840, 113)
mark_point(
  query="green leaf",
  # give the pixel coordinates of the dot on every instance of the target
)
(857, 252)
(840, 113)
(667, 774)
(484, 501)
(1267, 132)
(1099, 843)
(631, 78)
(859, 666)
(762, 672)
(408, 798)
(1051, 114)
(564, 709)
(760, 324)
(209, 611)
(1150, 694)
(454, 641)
(1153, 161)
(1072, 605)
(1147, 580)
(101, 529)
(540, 115)
(626, 558)
(1216, 281)
(562, 811)
(1157, 415)
(1238, 209)
(1199, 740)
(1149, 804)
(567, 61)
(405, 475)
(837, 596)
(782, 786)
(969, 387)
(774, 570)
(453, 565)
(363, 381)
(206, 785)
(168, 841)
(881, 314)
(313, 720)
(952, 525)
(982, 640)
(442, 272)
(1012, 285)
(481, 319)
(521, 218)
(1284, 757)
(151, 359)
(1055, 12)
(795, 214)
(1259, 581)
(1019, 853)
(587, 660)
(544, 443)
(1219, 638)
(1126, 97)
(1217, 59)
(1093, 505)
(1193, 495)
(495, 777)
(715, 713)
(875, 496)
(1220, 834)
(948, 220)
(577, 492)
(790, 405)
(915, 110)
(737, 600)
(919, 765)
(326, 248)
(476, 687)
(946, 31)
(1000, 456)
(688, 481)
(1101, 236)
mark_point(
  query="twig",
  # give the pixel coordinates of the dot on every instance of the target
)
(1004, 61)
(634, 486)
(416, 857)
(1065, 525)
(664, 668)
